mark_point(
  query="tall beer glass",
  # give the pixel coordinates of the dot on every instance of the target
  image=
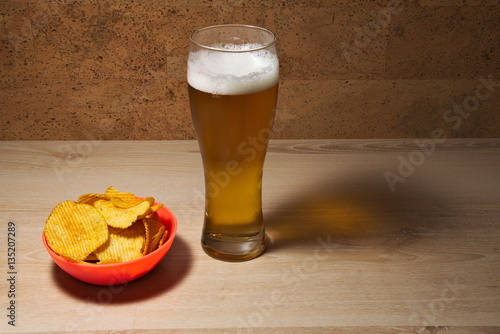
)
(232, 78)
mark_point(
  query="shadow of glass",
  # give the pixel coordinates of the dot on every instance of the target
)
(358, 211)
(163, 278)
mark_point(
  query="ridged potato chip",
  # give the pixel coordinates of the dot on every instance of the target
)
(119, 203)
(126, 197)
(163, 238)
(154, 233)
(75, 230)
(122, 218)
(122, 244)
(154, 208)
(91, 198)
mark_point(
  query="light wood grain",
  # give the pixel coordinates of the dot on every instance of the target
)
(347, 253)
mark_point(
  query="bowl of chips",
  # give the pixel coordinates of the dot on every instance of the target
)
(111, 238)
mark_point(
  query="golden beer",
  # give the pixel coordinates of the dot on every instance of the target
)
(233, 99)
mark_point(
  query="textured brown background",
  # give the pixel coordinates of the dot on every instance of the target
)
(349, 68)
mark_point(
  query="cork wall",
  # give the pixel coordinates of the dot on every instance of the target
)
(89, 69)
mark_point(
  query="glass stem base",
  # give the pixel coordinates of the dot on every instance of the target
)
(234, 249)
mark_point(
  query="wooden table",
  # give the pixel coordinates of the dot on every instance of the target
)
(368, 236)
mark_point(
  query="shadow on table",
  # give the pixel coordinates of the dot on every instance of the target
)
(358, 213)
(164, 277)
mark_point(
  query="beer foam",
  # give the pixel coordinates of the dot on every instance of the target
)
(233, 73)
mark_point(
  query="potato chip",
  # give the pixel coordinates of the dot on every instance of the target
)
(154, 233)
(91, 198)
(126, 197)
(121, 218)
(119, 203)
(147, 235)
(154, 208)
(163, 238)
(122, 244)
(75, 230)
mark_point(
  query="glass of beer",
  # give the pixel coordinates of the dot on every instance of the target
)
(232, 76)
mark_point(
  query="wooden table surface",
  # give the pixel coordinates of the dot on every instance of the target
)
(368, 236)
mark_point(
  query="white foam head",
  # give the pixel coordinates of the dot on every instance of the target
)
(233, 73)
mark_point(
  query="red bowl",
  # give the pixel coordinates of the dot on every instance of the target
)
(119, 273)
